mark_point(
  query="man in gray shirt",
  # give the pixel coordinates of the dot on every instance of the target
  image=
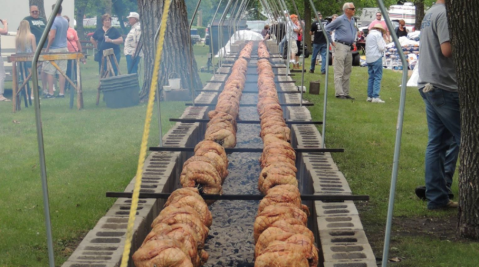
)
(57, 43)
(438, 87)
(344, 35)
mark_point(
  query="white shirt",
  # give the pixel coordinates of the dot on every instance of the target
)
(375, 46)
(132, 39)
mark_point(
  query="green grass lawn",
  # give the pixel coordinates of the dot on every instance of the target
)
(88, 153)
(95, 150)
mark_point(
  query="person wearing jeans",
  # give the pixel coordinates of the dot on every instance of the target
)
(319, 45)
(438, 87)
(443, 121)
(375, 46)
(131, 43)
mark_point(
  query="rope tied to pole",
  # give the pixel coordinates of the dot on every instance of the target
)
(146, 133)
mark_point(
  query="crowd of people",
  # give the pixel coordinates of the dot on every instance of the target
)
(437, 82)
(64, 39)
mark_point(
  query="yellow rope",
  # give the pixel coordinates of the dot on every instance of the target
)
(146, 133)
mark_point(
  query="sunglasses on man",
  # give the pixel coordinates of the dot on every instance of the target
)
(34, 12)
(352, 8)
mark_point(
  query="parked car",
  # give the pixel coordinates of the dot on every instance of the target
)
(195, 37)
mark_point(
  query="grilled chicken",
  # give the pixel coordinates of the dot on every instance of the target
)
(162, 253)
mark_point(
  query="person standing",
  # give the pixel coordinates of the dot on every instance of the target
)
(438, 87)
(294, 37)
(265, 32)
(379, 20)
(319, 44)
(74, 46)
(375, 46)
(37, 27)
(3, 31)
(37, 23)
(401, 30)
(107, 37)
(131, 43)
(25, 43)
(345, 34)
(57, 43)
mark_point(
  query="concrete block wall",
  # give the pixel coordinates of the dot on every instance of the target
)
(103, 245)
(337, 224)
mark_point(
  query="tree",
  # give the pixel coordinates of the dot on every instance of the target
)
(176, 49)
(40, 5)
(465, 42)
(419, 13)
(80, 7)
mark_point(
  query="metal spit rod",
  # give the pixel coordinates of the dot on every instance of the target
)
(249, 150)
(331, 198)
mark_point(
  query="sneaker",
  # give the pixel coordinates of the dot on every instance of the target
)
(323, 72)
(48, 96)
(61, 96)
(421, 192)
(311, 71)
(377, 100)
(349, 97)
(369, 99)
(451, 205)
(341, 97)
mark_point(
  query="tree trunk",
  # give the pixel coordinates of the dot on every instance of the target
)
(465, 40)
(419, 13)
(176, 49)
(307, 26)
(80, 8)
(40, 5)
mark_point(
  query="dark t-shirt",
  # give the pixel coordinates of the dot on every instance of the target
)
(400, 33)
(112, 33)
(37, 26)
(318, 33)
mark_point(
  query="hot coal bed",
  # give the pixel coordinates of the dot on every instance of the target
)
(337, 228)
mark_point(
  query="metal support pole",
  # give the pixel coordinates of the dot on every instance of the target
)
(397, 146)
(243, 7)
(211, 36)
(160, 130)
(323, 134)
(220, 35)
(190, 66)
(288, 58)
(41, 147)
(232, 17)
(302, 68)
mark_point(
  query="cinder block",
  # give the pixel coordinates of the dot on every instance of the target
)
(122, 206)
(339, 222)
(219, 77)
(347, 252)
(359, 263)
(335, 208)
(212, 86)
(343, 237)
(90, 264)
(330, 182)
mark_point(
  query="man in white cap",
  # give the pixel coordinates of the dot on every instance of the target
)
(375, 46)
(131, 43)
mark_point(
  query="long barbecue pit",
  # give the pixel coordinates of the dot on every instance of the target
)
(183, 231)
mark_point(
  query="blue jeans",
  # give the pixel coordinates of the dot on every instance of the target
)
(443, 121)
(319, 48)
(131, 66)
(281, 45)
(375, 70)
(117, 56)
